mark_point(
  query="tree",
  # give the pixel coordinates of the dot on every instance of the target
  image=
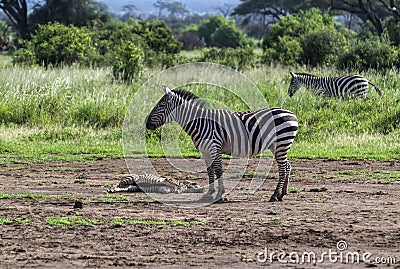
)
(274, 10)
(5, 41)
(54, 44)
(173, 8)
(225, 10)
(373, 11)
(228, 36)
(130, 9)
(364, 10)
(161, 5)
(208, 26)
(17, 12)
(76, 12)
(218, 31)
(305, 38)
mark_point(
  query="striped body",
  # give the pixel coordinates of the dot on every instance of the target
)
(344, 86)
(241, 134)
(155, 184)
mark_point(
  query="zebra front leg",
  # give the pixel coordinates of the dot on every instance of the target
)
(279, 192)
(210, 172)
(217, 167)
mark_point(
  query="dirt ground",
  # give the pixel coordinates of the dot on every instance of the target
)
(335, 210)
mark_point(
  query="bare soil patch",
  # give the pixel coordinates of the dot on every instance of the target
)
(329, 201)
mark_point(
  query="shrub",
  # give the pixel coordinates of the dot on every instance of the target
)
(305, 38)
(190, 38)
(128, 63)
(287, 51)
(220, 32)
(114, 43)
(321, 46)
(238, 58)
(228, 36)
(55, 44)
(5, 40)
(375, 53)
(153, 37)
(394, 32)
(208, 26)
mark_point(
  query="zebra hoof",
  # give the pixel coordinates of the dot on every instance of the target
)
(210, 192)
(220, 200)
(206, 198)
(275, 198)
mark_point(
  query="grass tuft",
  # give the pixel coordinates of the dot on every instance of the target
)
(76, 114)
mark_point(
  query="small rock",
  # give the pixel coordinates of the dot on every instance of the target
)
(78, 204)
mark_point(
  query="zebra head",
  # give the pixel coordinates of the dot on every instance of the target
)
(295, 84)
(161, 113)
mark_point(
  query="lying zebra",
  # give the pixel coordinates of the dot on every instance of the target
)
(155, 184)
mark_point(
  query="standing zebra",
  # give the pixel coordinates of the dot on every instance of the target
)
(241, 134)
(344, 86)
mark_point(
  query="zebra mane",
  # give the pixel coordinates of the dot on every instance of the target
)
(306, 74)
(190, 97)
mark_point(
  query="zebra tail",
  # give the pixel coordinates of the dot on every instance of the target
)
(379, 91)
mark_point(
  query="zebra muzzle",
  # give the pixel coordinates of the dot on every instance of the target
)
(149, 125)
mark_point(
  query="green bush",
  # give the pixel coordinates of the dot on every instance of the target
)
(6, 43)
(125, 46)
(155, 38)
(304, 38)
(190, 38)
(220, 32)
(208, 26)
(55, 44)
(128, 63)
(394, 32)
(375, 53)
(238, 58)
(286, 51)
(322, 46)
(228, 36)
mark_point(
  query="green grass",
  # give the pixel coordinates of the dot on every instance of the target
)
(111, 198)
(6, 221)
(383, 176)
(123, 221)
(77, 114)
(69, 221)
(22, 196)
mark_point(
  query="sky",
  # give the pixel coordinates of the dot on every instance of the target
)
(146, 6)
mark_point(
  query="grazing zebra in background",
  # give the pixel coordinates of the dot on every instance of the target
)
(344, 86)
(240, 134)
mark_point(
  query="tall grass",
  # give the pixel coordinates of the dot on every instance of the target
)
(75, 113)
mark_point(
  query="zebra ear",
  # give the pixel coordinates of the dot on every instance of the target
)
(293, 74)
(167, 90)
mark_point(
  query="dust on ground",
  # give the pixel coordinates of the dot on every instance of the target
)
(355, 203)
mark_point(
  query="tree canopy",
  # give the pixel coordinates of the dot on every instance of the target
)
(374, 11)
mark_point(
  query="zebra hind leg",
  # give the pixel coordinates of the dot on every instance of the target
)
(281, 188)
(287, 177)
(221, 188)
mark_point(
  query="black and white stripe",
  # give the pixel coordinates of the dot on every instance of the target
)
(155, 184)
(344, 86)
(241, 134)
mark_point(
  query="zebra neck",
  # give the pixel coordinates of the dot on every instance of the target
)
(186, 114)
(312, 83)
